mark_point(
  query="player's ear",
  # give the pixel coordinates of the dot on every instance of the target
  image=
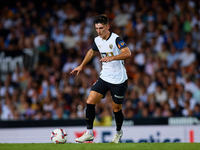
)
(108, 27)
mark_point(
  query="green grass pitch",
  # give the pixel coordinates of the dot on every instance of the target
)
(102, 146)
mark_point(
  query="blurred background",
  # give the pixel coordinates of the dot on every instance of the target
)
(42, 41)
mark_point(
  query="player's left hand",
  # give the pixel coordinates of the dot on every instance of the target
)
(107, 59)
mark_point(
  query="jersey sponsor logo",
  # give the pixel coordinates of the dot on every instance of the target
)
(118, 96)
(110, 46)
(108, 54)
(121, 44)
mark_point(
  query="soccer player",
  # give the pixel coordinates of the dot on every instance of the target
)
(112, 78)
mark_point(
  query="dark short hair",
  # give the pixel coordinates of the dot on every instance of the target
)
(103, 19)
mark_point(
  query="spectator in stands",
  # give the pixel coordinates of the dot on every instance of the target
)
(150, 85)
(6, 109)
(196, 94)
(186, 110)
(172, 57)
(152, 109)
(187, 57)
(192, 102)
(143, 96)
(189, 85)
(158, 112)
(140, 59)
(166, 110)
(177, 111)
(178, 42)
(140, 108)
(69, 40)
(160, 94)
(134, 97)
(145, 113)
(128, 110)
(7, 87)
(197, 110)
(59, 113)
(69, 65)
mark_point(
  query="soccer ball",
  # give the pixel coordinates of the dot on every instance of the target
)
(59, 136)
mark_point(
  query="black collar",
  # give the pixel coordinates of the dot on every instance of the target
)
(109, 37)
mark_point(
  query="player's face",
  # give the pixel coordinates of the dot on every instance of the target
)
(102, 30)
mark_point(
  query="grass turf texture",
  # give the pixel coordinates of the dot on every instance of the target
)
(102, 146)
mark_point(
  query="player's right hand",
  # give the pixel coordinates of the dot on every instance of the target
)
(76, 71)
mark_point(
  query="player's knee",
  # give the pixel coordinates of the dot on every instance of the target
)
(94, 98)
(117, 108)
(90, 101)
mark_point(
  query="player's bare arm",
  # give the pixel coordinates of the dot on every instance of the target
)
(125, 53)
(90, 54)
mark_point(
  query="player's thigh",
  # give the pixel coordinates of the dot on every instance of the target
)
(99, 89)
(94, 97)
(118, 92)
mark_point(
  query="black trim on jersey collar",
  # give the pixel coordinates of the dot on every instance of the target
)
(109, 36)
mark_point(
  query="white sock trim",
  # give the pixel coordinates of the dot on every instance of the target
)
(119, 132)
(90, 131)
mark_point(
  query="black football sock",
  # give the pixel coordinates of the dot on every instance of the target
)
(119, 119)
(90, 115)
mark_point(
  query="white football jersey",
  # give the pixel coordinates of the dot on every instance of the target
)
(114, 71)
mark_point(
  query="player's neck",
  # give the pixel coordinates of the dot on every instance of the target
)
(107, 36)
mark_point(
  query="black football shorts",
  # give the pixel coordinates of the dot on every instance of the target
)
(118, 91)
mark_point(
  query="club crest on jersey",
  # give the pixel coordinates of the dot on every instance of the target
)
(110, 46)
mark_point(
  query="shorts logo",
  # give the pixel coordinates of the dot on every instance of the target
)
(110, 46)
(118, 96)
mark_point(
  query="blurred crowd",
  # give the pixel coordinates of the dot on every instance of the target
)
(164, 69)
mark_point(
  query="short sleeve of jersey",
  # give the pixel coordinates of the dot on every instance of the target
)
(120, 43)
(94, 47)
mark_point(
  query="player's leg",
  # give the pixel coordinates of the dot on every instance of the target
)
(117, 110)
(118, 94)
(98, 91)
(93, 98)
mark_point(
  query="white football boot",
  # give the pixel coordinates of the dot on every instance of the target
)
(117, 137)
(85, 138)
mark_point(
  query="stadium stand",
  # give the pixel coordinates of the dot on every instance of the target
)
(42, 41)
